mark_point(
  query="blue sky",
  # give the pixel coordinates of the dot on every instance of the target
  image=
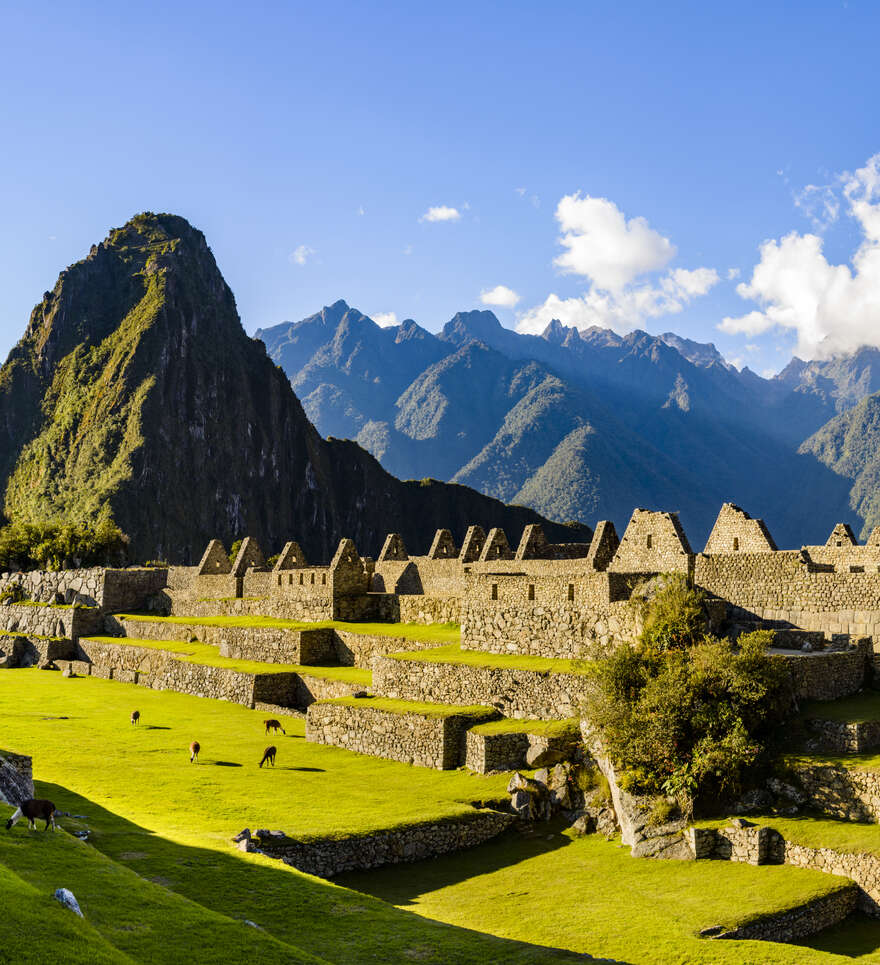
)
(622, 158)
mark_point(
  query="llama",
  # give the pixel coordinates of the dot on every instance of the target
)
(274, 725)
(44, 810)
(135, 716)
(269, 756)
(194, 749)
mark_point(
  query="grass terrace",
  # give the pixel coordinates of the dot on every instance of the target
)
(540, 728)
(479, 658)
(207, 655)
(391, 706)
(433, 632)
(857, 709)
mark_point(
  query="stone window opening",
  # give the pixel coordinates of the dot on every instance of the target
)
(323, 579)
(279, 579)
(494, 591)
(571, 592)
(735, 544)
(531, 591)
(300, 579)
(313, 579)
(290, 579)
(649, 541)
(857, 569)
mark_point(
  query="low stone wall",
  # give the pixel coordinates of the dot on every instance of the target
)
(111, 589)
(24, 650)
(485, 753)
(841, 792)
(829, 674)
(423, 740)
(802, 921)
(263, 644)
(16, 778)
(359, 649)
(516, 693)
(740, 844)
(50, 621)
(332, 856)
(160, 670)
(429, 609)
(844, 736)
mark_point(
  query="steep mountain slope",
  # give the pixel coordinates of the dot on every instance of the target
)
(580, 424)
(850, 445)
(136, 394)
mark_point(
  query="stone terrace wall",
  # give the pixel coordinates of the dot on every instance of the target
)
(75, 586)
(22, 650)
(429, 609)
(844, 736)
(359, 649)
(130, 589)
(50, 621)
(802, 921)
(436, 742)
(830, 674)
(328, 857)
(546, 615)
(521, 694)
(16, 778)
(841, 792)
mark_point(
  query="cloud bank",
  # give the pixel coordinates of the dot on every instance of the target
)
(831, 308)
(614, 254)
(385, 319)
(441, 213)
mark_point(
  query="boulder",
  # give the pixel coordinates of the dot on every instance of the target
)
(544, 755)
(752, 801)
(66, 898)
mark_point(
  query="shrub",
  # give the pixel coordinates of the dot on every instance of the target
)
(233, 550)
(674, 616)
(686, 719)
(55, 545)
(662, 810)
(13, 594)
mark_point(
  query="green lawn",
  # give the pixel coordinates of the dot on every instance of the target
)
(540, 728)
(207, 655)
(430, 632)
(479, 658)
(860, 707)
(392, 706)
(589, 895)
(152, 811)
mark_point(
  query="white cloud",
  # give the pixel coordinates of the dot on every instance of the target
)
(831, 308)
(441, 213)
(361, 210)
(604, 247)
(385, 319)
(820, 203)
(500, 295)
(301, 254)
(732, 273)
(622, 311)
(520, 191)
(613, 253)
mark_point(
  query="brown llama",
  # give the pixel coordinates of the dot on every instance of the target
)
(32, 810)
(269, 756)
(274, 725)
(135, 716)
(194, 749)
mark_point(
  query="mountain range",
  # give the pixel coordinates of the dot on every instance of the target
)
(136, 396)
(589, 424)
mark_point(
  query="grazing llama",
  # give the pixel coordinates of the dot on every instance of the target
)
(135, 716)
(274, 725)
(269, 756)
(32, 810)
(194, 749)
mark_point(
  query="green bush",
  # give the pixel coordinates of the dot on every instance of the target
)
(233, 550)
(56, 545)
(685, 716)
(13, 594)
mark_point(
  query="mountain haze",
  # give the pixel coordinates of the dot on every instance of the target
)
(135, 394)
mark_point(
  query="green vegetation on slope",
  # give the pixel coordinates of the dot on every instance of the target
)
(479, 658)
(589, 895)
(439, 632)
(542, 728)
(151, 810)
(391, 706)
(207, 655)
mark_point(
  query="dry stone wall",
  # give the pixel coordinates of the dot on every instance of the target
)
(50, 621)
(831, 674)
(23, 650)
(413, 738)
(521, 694)
(328, 857)
(844, 736)
(16, 778)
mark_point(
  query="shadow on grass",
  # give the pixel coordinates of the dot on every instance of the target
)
(334, 923)
(224, 763)
(311, 770)
(854, 937)
(155, 727)
(402, 884)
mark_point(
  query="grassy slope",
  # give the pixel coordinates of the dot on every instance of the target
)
(589, 895)
(439, 632)
(150, 809)
(478, 658)
(127, 918)
(541, 728)
(170, 821)
(206, 654)
(860, 707)
(392, 706)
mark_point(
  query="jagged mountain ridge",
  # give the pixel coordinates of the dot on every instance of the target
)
(575, 424)
(136, 394)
